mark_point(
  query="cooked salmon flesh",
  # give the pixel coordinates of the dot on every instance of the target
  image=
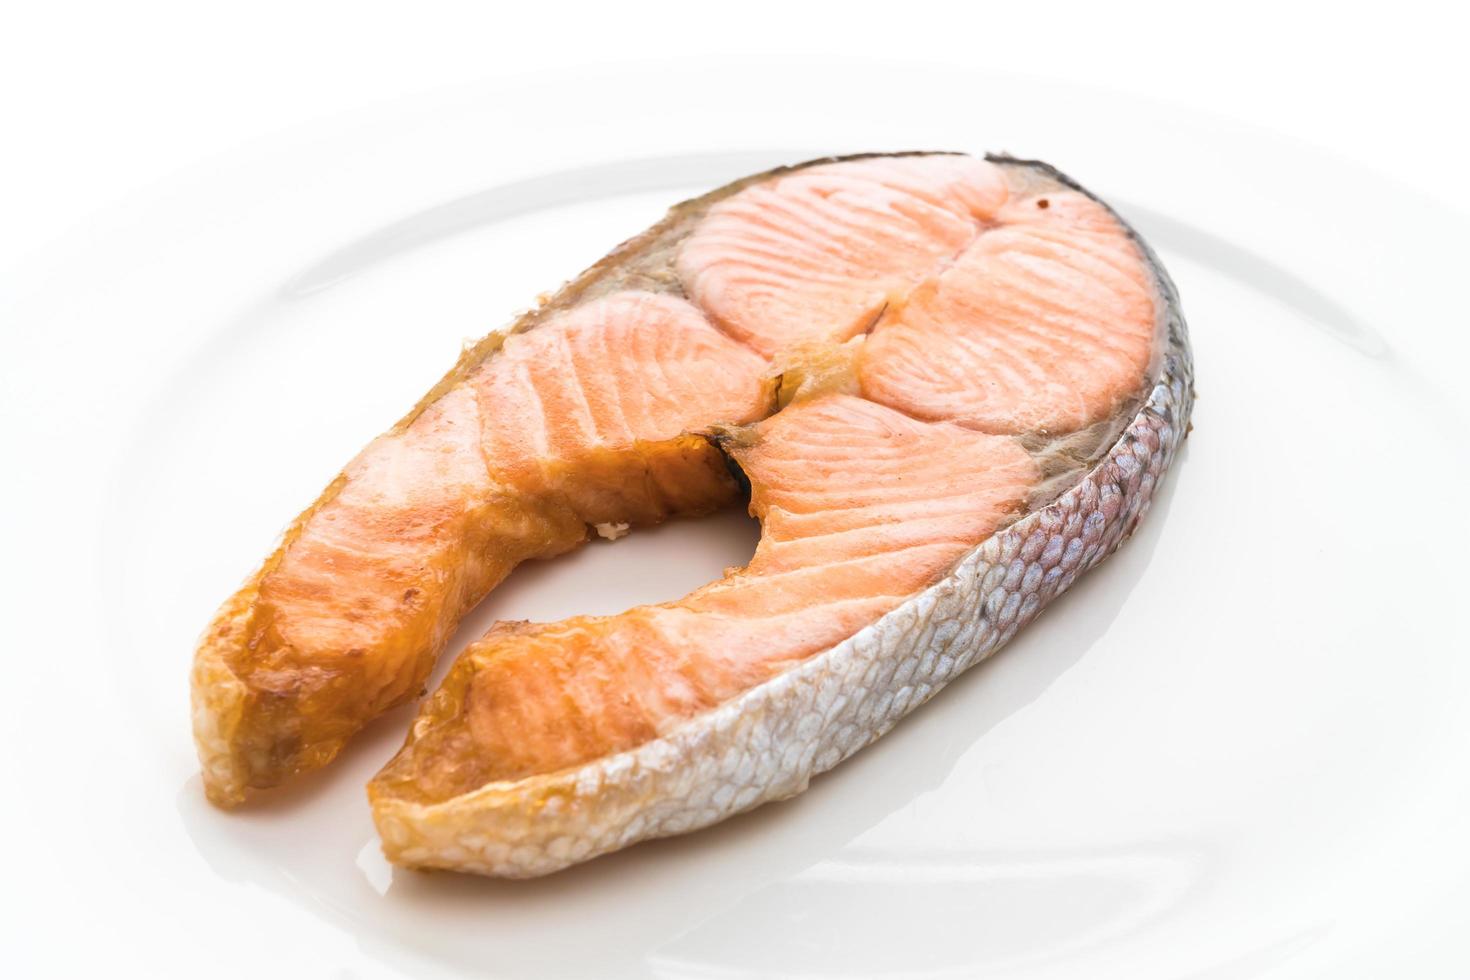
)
(891, 360)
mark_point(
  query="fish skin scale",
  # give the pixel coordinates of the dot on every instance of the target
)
(647, 792)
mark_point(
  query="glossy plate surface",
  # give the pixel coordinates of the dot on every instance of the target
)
(1240, 748)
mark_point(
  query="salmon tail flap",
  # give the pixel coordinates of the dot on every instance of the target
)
(947, 385)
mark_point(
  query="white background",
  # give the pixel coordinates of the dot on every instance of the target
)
(107, 104)
(101, 97)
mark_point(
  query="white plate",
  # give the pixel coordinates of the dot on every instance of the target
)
(1238, 749)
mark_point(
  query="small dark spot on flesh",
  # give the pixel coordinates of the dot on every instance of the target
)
(410, 594)
(1043, 203)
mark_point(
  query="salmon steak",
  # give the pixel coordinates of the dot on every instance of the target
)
(947, 386)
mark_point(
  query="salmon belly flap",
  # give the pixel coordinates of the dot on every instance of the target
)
(980, 315)
(586, 419)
